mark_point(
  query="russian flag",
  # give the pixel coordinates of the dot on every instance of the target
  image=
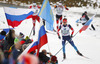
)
(42, 40)
(15, 16)
(86, 24)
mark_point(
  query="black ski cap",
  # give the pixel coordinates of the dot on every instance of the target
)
(85, 12)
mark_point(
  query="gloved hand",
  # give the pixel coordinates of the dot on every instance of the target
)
(71, 36)
(59, 37)
(80, 19)
(77, 24)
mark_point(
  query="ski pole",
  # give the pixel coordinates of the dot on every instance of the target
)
(66, 43)
(30, 32)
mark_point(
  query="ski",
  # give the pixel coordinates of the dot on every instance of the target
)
(85, 57)
(63, 60)
(80, 54)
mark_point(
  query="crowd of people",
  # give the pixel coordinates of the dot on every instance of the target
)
(12, 45)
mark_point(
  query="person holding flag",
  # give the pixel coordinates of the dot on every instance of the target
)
(66, 36)
(59, 9)
(43, 56)
(35, 15)
(42, 40)
(85, 18)
(86, 25)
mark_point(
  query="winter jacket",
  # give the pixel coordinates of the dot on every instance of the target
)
(8, 43)
(16, 53)
(86, 17)
(43, 58)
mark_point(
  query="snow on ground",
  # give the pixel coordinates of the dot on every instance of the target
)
(88, 42)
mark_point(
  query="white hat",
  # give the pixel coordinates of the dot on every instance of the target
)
(34, 4)
(57, 3)
(51, 3)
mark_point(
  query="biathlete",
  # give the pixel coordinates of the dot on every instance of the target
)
(67, 37)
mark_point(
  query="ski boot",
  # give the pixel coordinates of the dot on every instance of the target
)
(33, 32)
(64, 56)
(54, 30)
(79, 53)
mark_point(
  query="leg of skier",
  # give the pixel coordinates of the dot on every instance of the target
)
(34, 21)
(63, 44)
(72, 43)
(61, 20)
(38, 18)
(57, 21)
(92, 27)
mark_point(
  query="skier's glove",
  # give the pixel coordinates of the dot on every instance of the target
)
(80, 19)
(59, 37)
(71, 36)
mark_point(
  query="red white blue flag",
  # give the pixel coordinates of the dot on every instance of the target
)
(42, 40)
(86, 24)
(15, 16)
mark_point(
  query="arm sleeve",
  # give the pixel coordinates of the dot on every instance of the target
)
(30, 7)
(87, 18)
(66, 8)
(38, 6)
(71, 29)
(82, 14)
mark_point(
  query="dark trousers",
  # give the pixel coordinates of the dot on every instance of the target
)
(68, 38)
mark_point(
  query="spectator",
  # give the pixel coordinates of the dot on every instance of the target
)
(21, 36)
(1, 56)
(2, 36)
(85, 18)
(54, 60)
(43, 56)
(6, 57)
(16, 51)
(9, 40)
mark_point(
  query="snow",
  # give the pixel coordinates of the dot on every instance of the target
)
(88, 42)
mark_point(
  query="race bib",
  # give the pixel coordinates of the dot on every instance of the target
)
(65, 31)
(59, 9)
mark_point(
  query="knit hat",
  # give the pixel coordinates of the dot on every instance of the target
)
(64, 20)
(34, 4)
(54, 58)
(21, 34)
(3, 33)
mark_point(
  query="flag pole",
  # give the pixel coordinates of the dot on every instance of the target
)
(48, 47)
(30, 32)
